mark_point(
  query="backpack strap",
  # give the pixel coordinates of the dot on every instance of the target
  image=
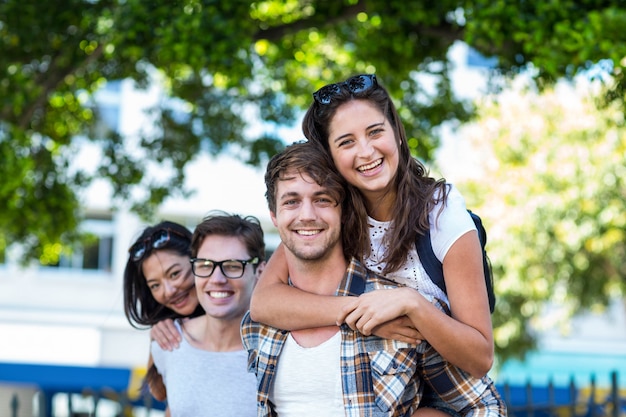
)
(429, 260)
(434, 268)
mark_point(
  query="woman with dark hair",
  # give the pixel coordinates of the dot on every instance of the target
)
(159, 287)
(356, 125)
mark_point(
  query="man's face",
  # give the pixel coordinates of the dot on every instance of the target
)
(307, 217)
(220, 296)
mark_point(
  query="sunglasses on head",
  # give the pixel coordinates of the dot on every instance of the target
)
(356, 84)
(156, 240)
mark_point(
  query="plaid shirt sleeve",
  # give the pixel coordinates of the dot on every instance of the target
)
(263, 344)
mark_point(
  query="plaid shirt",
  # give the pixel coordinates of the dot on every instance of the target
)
(378, 375)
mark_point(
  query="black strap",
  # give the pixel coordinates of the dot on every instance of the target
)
(434, 268)
(431, 264)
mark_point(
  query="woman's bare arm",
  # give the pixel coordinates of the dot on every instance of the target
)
(276, 303)
(466, 338)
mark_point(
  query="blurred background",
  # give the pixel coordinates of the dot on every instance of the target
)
(117, 114)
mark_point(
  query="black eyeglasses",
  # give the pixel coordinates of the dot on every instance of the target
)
(157, 240)
(231, 268)
(356, 84)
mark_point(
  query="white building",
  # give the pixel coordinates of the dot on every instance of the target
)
(73, 313)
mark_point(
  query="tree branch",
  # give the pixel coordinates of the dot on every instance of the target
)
(273, 34)
(50, 84)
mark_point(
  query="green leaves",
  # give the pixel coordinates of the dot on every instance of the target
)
(551, 193)
(225, 66)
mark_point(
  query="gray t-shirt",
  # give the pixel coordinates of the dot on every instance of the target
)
(201, 383)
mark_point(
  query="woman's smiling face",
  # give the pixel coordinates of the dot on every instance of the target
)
(171, 281)
(364, 148)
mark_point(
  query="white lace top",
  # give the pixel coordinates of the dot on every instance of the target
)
(449, 225)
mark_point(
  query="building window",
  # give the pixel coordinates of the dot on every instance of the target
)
(98, 255)
(95, 251)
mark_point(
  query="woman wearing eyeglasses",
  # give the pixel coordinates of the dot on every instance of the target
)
(356, 124)
(208, 373)
(159, 287)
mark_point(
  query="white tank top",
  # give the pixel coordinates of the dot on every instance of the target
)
(308, 380)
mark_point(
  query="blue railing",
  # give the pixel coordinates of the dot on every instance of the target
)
(572, 400)
(71, 391)
(57, 390)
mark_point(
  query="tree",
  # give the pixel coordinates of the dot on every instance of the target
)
(216, 58)
(551, 189)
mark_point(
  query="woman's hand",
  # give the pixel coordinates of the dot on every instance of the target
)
(373, 309)
(166, 335)
(400, 329)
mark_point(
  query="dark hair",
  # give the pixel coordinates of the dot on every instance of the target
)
(306, 158)
(417, 193)
(247, 228)
(140, 307)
